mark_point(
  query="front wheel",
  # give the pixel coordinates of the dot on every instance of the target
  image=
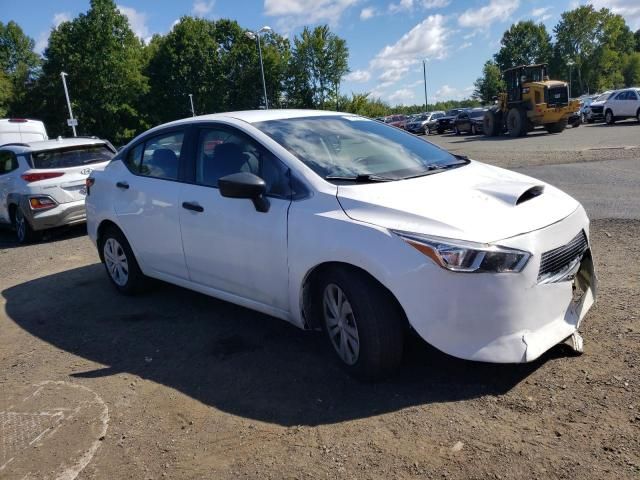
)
(120, 263)
(361, 321)
(609, 118)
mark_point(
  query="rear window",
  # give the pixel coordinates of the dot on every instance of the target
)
(72, 156)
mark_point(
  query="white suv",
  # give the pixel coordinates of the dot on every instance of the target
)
(42, 183)
(622, 104)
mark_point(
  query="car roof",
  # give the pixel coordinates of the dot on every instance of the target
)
(254, 116)
(42, 145)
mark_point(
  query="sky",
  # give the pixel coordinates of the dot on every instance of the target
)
(387, 39)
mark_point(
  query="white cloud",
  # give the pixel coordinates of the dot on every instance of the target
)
(465, 45)
(295, 13)
(435, 3)
(367, 13)
(629, 9)
(425, 40)
(447, 92)
(43, 38)
(400, 6)
(202, 8)
(358, 76)
(137, 21)
(495, 10)
(408, 5)
(541, 13)
(404, 96)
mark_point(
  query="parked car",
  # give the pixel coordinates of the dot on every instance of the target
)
(621, 105)
(331, 221)
(595, 111)
(21, 130)
(419, 124)
(42, 183)
(470, 121)
(446, 123)
(399, 121)
(585, 103)
(433, 122)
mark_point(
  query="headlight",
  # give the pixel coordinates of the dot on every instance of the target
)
(463, 256)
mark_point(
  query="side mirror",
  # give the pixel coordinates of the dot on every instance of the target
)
(245, 185)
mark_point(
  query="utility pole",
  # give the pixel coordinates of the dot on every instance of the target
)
(71, 121)
(424, 74)
(571, 63)
(193, 112)
(256, 36)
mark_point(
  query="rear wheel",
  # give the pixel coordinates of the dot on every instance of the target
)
(517, 122)
(24, 233)
(120, 263)
(556, 127)
(492, 123)
(609, 118)
(361, 321)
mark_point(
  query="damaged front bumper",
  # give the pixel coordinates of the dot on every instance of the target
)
(506, 318)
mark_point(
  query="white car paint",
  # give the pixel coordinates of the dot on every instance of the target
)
(261, 260)
(623, 104)
(21, 130)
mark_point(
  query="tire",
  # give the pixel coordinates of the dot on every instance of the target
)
(516, 122)
(24, 233)
(348, 300)
(556, 127)
(120, 263)
(492, 123)
(473, 130)
(456, 130)
(609, 118)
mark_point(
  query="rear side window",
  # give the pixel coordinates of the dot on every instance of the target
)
(161, 156)
(8, 162)
(72, 156)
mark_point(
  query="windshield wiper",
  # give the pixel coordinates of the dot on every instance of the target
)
(431, 169)
(362, 178)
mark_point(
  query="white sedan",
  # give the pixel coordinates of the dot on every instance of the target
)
(336, 222)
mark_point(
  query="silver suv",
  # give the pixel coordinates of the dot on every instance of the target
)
(43, 183)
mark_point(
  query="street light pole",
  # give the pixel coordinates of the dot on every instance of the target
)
(193, 112)
(66, 94)
(424, 74)
(256, 35)
(571, 63)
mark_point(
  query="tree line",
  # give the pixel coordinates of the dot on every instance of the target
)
(596, 48)
(121, 86)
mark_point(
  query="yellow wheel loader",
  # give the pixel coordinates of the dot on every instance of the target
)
(531, 100)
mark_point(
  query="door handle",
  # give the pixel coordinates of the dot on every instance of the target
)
(194, 207)
(122, 185)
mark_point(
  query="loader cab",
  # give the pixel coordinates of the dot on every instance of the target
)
(516, 78)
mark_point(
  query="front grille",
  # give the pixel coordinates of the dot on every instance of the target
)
(556, 260)
(596, 109)
(557, 96)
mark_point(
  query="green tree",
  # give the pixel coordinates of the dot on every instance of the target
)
(631, 69)
(637, 37)
(19, 65)
(103, 60)
(524, 43)
(490, 84)
(318, 63)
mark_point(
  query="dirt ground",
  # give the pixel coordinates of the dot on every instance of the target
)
(174, 384)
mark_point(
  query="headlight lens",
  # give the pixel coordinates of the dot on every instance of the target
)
(463, 256)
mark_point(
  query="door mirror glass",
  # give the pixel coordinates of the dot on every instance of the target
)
(245, 185)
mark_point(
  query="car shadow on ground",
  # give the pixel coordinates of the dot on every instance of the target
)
(8, 236)
(231, 358)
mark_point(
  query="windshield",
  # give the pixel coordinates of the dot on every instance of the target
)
(477, 114)
(603, 97)
(72, 156)
(351, 146)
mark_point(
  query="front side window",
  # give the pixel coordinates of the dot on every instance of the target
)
(8, 162)
(224, 151)
(160, 157)
(72, 156)
(350, 146)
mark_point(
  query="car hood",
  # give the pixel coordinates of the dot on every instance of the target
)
(597, 104)
(475, 202)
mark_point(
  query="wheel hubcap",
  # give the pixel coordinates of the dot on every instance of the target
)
(341, 324)
(116, 261)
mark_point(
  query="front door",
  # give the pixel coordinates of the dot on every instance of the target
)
(228, 244)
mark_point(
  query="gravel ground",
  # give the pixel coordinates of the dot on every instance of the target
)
(174, 384)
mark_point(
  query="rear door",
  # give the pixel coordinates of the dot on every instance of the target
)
(630, 104)
(146, 187)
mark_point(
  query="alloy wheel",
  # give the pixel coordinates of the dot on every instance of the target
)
(341, 324)
(21, 225)
(116, 261)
